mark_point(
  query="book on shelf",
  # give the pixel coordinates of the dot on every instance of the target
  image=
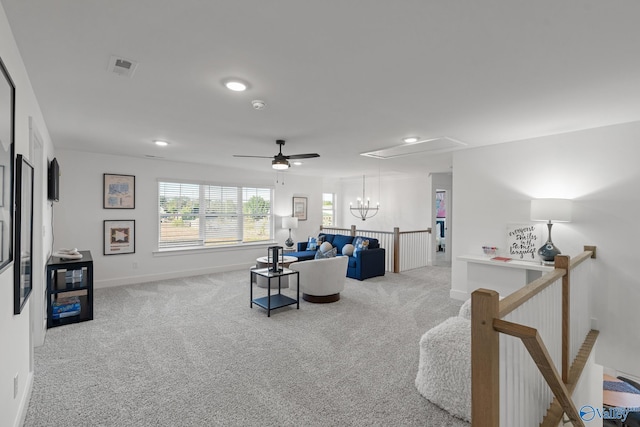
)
(66, 307)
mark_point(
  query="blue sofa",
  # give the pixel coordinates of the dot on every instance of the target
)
(363, 265)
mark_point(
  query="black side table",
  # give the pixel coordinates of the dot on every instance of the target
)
(69, 290)
(271, 302)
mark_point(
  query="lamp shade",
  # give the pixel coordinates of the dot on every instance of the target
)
(289, 222)
(556, 210)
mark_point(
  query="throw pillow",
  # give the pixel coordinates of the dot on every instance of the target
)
(347, 249)
(321, 239)
(312, 244)
(362, 246)
(329, 254)
(326, 246)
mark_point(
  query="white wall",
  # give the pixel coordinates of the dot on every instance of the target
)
(597, 168)
(79, 215)
(15, 331)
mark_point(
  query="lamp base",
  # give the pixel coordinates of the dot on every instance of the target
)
(548, 252)
(289, 243)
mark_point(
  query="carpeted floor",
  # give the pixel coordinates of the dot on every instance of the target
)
(190, 352)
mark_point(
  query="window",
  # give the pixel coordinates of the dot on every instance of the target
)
(328, 209)
(212, 215)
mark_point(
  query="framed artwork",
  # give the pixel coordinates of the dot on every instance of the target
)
(441, 206)
(523, 241)
(7, 135)
(300, 208)
(119, 237)
(24, 234)
(119, 191)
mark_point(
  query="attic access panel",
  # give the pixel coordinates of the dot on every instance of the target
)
(434, 145)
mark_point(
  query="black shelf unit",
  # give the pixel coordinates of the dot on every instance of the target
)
(271, 302)
(70, 278)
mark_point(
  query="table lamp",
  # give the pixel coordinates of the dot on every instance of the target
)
(289, 222)
(558, 210)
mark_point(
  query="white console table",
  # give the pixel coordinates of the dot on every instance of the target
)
(504, 277)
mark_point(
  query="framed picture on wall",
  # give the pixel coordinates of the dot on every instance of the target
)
(24, 233)
(300, 208)
(441, 207)
(119, 237)
(119, 191)
(7, 135)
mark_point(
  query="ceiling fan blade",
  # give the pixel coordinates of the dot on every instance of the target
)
(258, 157)
(303, 156)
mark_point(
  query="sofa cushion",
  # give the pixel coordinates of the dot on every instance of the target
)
(303, 255)
(328, 237)
(340, 240)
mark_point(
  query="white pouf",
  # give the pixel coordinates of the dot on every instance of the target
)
(444, 371)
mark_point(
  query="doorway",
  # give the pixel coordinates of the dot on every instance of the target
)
(441, 223)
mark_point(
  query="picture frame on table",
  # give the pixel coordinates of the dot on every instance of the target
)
(119, 191)
(300, 208)
(119, 237)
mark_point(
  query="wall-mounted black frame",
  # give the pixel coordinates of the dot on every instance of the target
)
(7, 137)
(22, 276)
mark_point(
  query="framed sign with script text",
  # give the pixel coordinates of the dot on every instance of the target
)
(523, 241)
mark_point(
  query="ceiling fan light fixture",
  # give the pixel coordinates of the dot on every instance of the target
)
(280, 164)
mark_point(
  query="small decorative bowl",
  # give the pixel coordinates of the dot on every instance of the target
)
(489, 250)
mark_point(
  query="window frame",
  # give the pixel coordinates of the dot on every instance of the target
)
(333, 210)
(205, 240)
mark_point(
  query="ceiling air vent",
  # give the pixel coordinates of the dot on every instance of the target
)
(121, 66)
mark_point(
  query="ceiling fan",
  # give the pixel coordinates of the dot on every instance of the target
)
(280, 161)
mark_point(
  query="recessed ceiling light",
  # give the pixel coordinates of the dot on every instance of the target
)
(297, 163)
(411, 139)
(236, 85)
(161, 143)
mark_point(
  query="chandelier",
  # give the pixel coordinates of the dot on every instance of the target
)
(363, 210)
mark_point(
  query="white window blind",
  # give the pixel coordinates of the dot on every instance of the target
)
(193, 214)
(328, 209)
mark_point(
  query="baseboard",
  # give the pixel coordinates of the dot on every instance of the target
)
(132, 280)
(459, 295)
(24, 402)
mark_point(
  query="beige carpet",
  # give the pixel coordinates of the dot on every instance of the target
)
(190, 352)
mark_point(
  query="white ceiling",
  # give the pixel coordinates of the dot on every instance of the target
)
(339, 77)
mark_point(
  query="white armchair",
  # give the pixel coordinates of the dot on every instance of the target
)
(321, 280)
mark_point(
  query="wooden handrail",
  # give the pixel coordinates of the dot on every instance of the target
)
(540, 355)
(485, 359)
(524, 294)
(487, 323)
(396, 233)
(554, 414)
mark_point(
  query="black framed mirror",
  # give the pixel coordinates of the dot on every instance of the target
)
(7, 134)
(24, 233)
